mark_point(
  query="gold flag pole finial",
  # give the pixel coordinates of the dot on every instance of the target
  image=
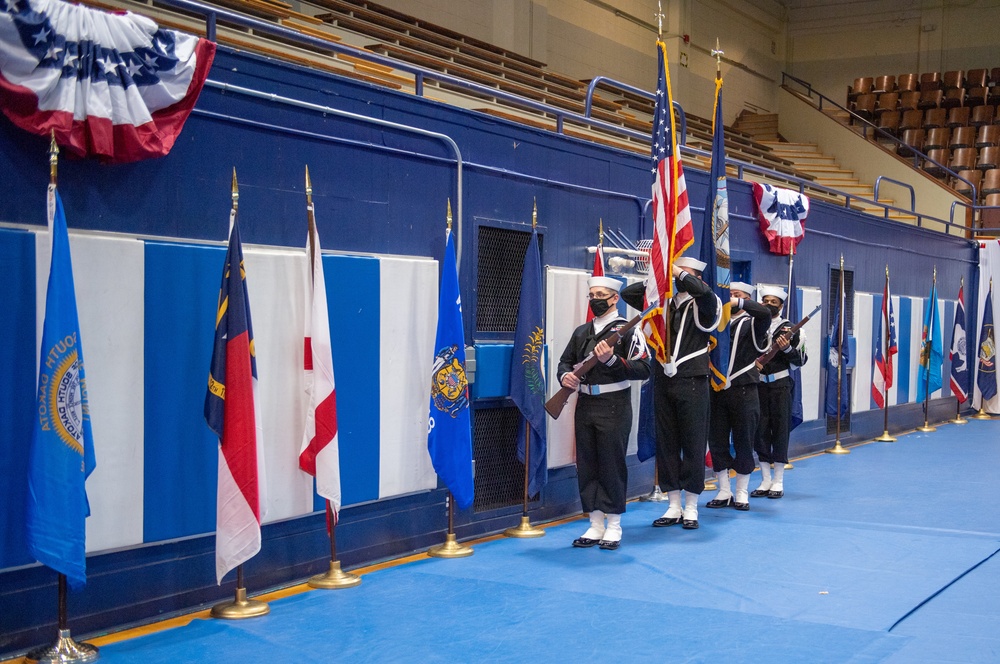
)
(842, 261)
(534, 212)
(717, 53)
(53, 159)
(659, 20)
(935, 274)
(600, 232)
(448, 217)
(236, 190)
(309, 187)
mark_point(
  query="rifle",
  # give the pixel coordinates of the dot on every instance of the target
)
(554, 406)
(769, 354)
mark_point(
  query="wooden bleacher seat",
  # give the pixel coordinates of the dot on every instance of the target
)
(962, 137)
(993, 95)
(981, 115)
(963, 159)
(930, 81)
(953, 79)
(911, 120)
(864, 106)
(937, 138)
(889, 122)
(908, 100)
(988, 136)
(994, 77)
(953, 98)
(991, 181)
(936, 159)
(862, 86)
(958, 116)
(887, 101)
(990, 219)
(934, 117)
(906, 82)
(930, 99)
(976, 78)
(973, 176)
(884, 84)
(989, 157)
(976, 96)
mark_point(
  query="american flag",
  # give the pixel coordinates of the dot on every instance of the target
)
(882, 375)
(672, 230)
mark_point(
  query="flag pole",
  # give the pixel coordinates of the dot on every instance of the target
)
(958, 404)
(927, 428)
(240, 607)
(791, 263)
(838, 448)
(65, 649)
(451, 547)
(982, 414)
(885, 437)
(334, 577)
(525, 529)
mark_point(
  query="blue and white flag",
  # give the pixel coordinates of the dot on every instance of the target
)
(931, 350)
(449, 429)
(113, 86)
(527, 375)
(958, 354)
(62, 446)
(986, 377)
(714, 249)
(838, 360)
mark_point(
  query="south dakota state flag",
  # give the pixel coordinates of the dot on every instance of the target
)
(62, 447)
(527, 376)
(449, 431)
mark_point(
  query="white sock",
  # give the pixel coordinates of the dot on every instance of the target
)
(725, 492)
(742, 483)
(765, 477)
(691, 506)
(613, 533)
(596, 530)
(779, 477)
(674, 508)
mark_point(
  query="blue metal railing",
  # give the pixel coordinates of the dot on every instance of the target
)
(913, 194)
(610, 82)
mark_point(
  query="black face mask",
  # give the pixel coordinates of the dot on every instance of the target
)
(600, 307)
(773, 309)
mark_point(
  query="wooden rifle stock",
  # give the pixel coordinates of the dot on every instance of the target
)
(769, 354)
(555, 405)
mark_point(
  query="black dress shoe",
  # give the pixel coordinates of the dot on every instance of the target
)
(743, 507)
(716, 503)
(690, 524)
(610, 546)
(759, 493)
(665, 521)
(584, 542)
(775, 494)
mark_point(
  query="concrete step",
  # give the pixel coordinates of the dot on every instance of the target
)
(795, 147)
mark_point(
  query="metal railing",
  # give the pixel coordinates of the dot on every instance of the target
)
(612, 83)
(867, 125)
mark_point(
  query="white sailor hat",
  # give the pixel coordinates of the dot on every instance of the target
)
(685, 261)
(773, 291)
(741, 286)
(604, 282)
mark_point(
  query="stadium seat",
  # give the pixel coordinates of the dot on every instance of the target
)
(936, 161)
(973, 176)
(864, 106)
(976, 78)
(934, 117)
(889, 122)
(953, 79)
(937, 138)
(989, 158)
(912, 138)
(911, 120)
(958, 116)
(886, 84)
(887, 101)
(962, 137)
(930, 99)
(991, 181)
(963, 159)
(981, 115)
(994, 77)
(990, 218)
(930, 81)
(953, 97)
(989, 135)
(862, 86)
(976, 96)
(908, 100)
(907, 82)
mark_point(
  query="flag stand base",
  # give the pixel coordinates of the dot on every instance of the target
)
(981, 415)
(927, 428)
(334, 578)
(885, 438)
(959, 420)
(838, 449)
(789, 466)
(524, 529)
(450, 549)
(64, 650)
(240, 608)
(654, 496)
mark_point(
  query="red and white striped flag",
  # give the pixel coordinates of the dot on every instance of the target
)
(672, 229)
(598, 271)
(320, 454)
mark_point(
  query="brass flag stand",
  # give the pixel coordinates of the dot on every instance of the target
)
(927, 427)
(655, 496)
(885, 437)
(65, 649)
(451, 547)
(334, 578)
(838, 448)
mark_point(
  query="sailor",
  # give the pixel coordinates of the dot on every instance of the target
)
(735, 410)
(680, 390)
(603, 410)
(775, 394)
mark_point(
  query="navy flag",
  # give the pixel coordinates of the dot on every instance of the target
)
(838, 361)
(449, 431)
(62, 446)
(714, 249)
(527, 377)
(986, 378)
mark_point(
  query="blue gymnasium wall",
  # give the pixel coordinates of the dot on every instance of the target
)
(372, 201)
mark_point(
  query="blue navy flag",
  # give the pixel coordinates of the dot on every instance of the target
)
(62, 446)
(958, 354)
(792, 313)
(449, 430)
(527, 377)
(714, 249)
(838, 361)
(986, 377)
(931, 350)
